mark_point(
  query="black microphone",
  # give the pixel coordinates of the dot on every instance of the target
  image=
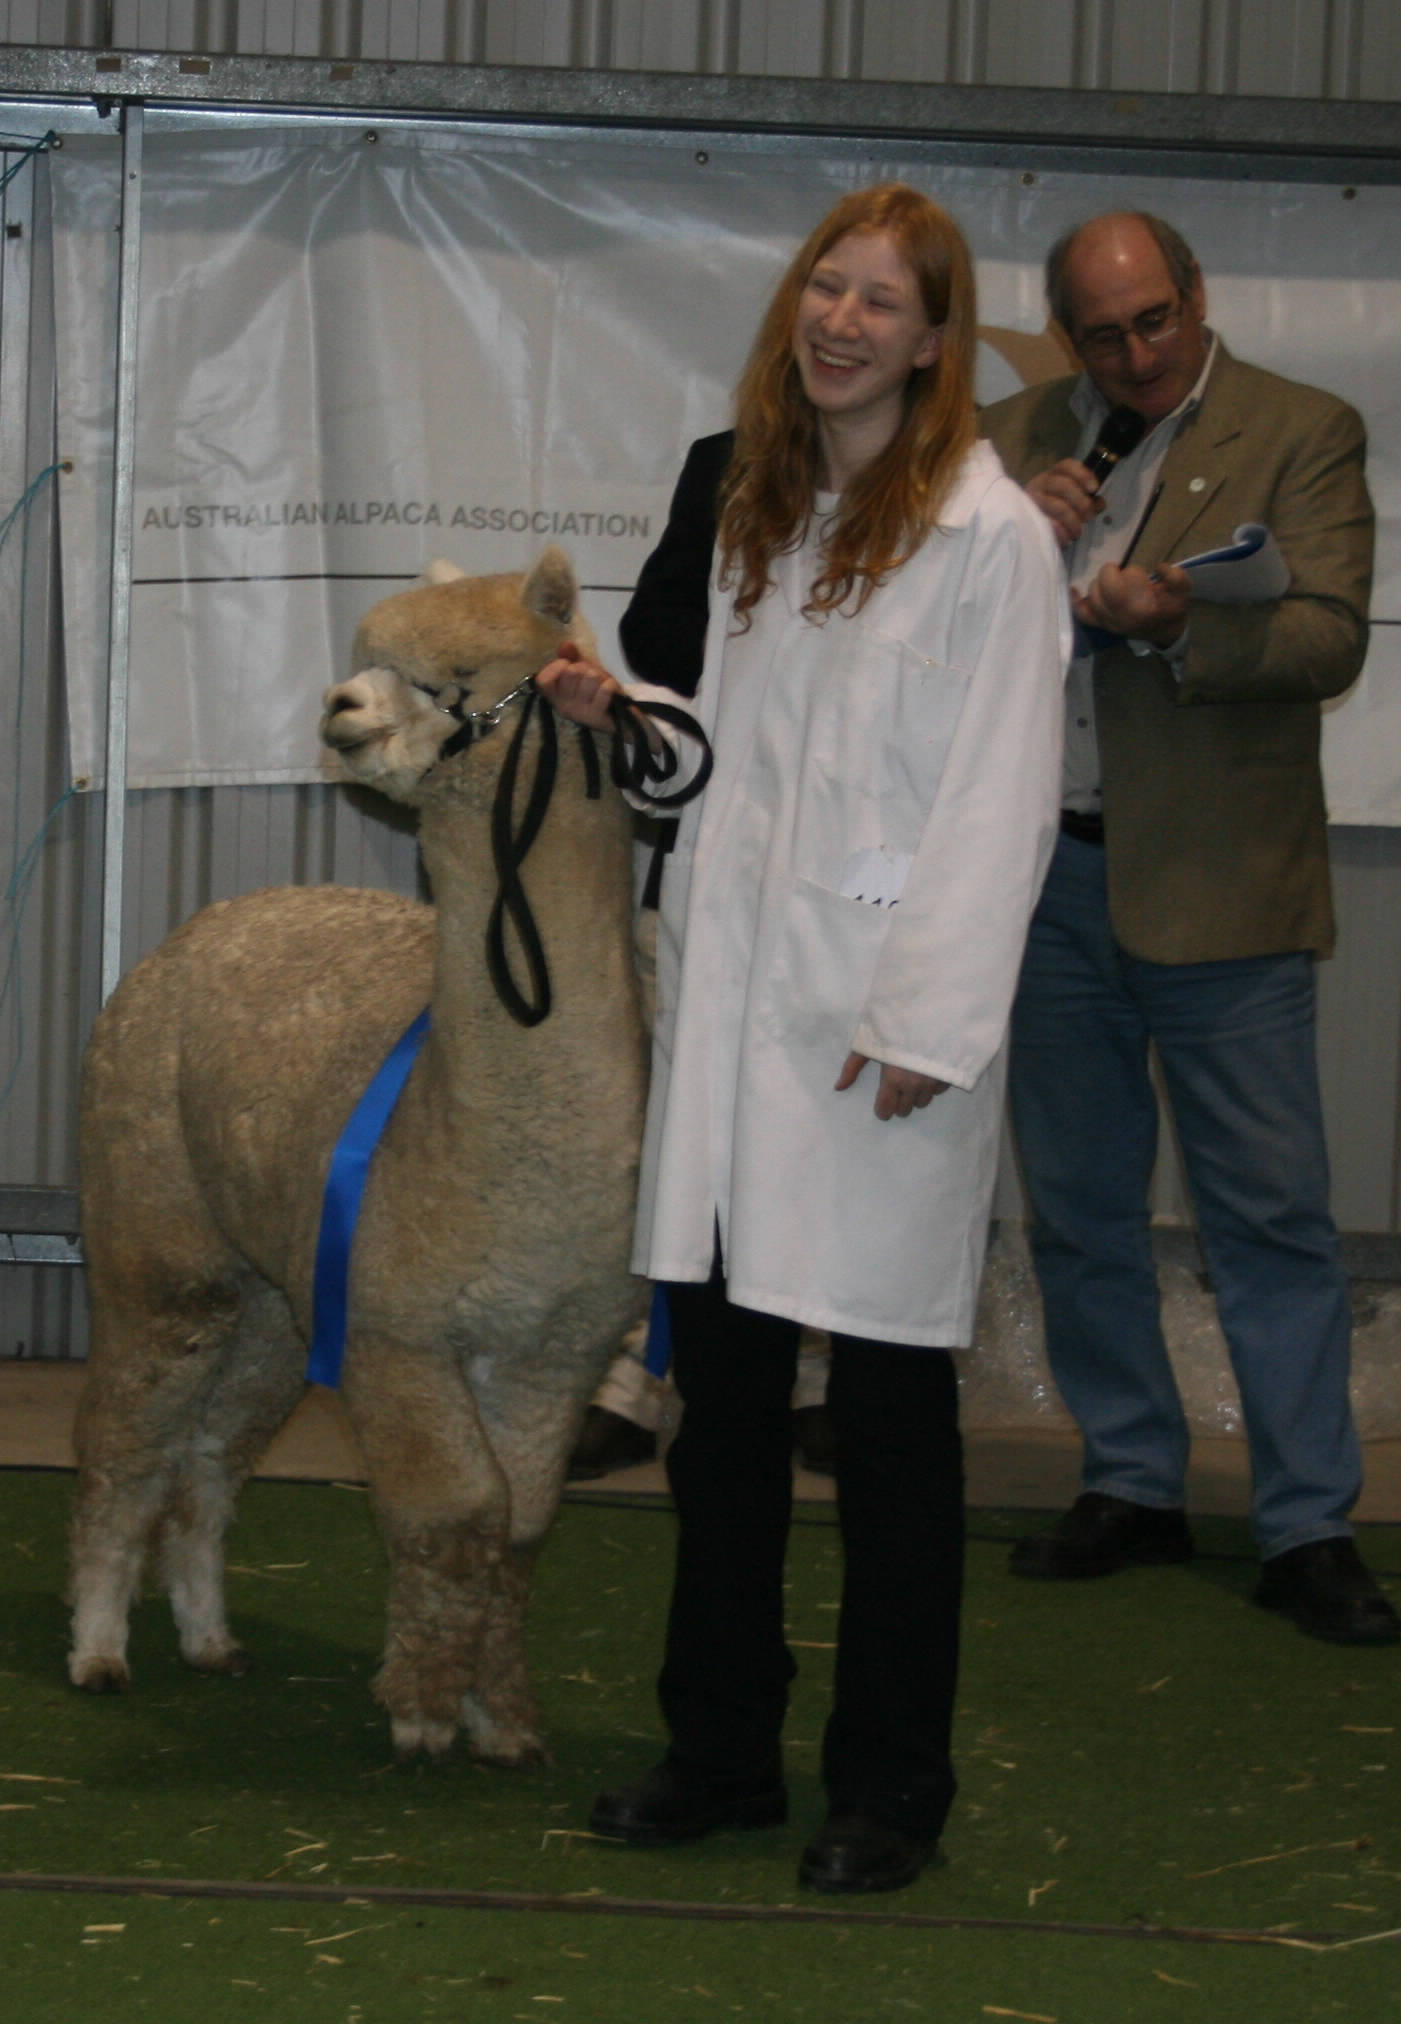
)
(1122, 432)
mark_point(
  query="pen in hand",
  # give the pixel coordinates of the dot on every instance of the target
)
(1144, 517)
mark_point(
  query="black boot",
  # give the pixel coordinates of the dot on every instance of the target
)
(671, 1802)
(609, 1442)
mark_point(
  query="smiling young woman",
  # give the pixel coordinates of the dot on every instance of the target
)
(888, 257)
(885, 637)
(859, 333)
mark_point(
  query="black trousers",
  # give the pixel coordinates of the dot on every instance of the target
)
(899, 1467)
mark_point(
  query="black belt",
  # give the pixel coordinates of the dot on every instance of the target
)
(1084, 828)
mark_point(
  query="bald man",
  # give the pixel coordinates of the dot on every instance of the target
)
(1185, 908)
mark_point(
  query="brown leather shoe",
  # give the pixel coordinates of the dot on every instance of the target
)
(1329, 1593)
(1099, 1535)
(853, 1852)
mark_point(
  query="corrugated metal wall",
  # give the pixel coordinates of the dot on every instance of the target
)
(186, 848)
(1276, 48)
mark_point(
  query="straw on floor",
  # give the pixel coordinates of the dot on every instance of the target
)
(1172, 1805)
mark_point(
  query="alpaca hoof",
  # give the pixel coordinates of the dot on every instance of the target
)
(514, 1752)
(99, 1675)
(230, 1660)
(499, 1742)
(433, 1738)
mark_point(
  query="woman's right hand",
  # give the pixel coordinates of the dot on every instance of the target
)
(578, 688)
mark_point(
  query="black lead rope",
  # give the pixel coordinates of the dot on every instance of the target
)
(637, 767)
(508, 851)
(633, 765)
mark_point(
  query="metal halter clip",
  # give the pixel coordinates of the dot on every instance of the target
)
(490, 718)
(474, 723)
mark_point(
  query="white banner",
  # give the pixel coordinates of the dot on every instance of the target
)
(357, 356)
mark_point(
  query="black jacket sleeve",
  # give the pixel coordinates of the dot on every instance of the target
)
(663, 629)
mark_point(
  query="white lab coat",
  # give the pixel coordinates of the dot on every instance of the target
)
(859, 873)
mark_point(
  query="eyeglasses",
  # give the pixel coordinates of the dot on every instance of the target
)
(1154, 326)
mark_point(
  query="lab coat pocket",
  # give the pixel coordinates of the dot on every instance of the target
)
(825, 953)
(882, 717)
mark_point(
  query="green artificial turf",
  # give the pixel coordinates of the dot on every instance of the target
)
(1149, 1752)
(182, 1962)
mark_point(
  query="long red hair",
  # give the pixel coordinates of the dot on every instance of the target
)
(890, 508)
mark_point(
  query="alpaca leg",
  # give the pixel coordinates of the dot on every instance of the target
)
(531, 1430)
(145, 1381)
(112, 1520)
(192, 1565)
(501, 1714)
(443, 1509)
(257, 1382)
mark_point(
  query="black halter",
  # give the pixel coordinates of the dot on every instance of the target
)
(633, 765)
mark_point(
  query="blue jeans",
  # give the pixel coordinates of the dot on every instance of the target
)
(1236, 1044)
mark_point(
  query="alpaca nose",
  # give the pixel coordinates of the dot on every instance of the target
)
(336, 701)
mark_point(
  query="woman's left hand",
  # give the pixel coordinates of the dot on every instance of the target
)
(578, 688)
(900, 1090)
(581, 690)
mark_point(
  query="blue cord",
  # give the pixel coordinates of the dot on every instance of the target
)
(16, 898)
(26, 500)
(29, 149)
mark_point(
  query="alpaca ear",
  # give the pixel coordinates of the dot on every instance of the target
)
(439, 571)
(552, 589)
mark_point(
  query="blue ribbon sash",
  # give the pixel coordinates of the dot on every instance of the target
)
(340, 1205)
(657, 1361)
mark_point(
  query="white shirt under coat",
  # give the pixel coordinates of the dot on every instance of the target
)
(859, 873)
(1129, 494)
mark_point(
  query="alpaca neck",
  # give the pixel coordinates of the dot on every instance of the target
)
(469, 1021)
(578, 883)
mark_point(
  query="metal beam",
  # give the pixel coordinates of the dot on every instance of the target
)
(38, 1226)
(1315, 139)
(39, 1211)
(119, 581)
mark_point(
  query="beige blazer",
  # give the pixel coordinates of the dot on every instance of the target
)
(1215, 825)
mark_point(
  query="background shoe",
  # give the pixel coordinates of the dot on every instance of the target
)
(813, 1441)
(852, 1852)
(1329, 1593)
(671, 1803)
(608, 1442)
(1099, 1535)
